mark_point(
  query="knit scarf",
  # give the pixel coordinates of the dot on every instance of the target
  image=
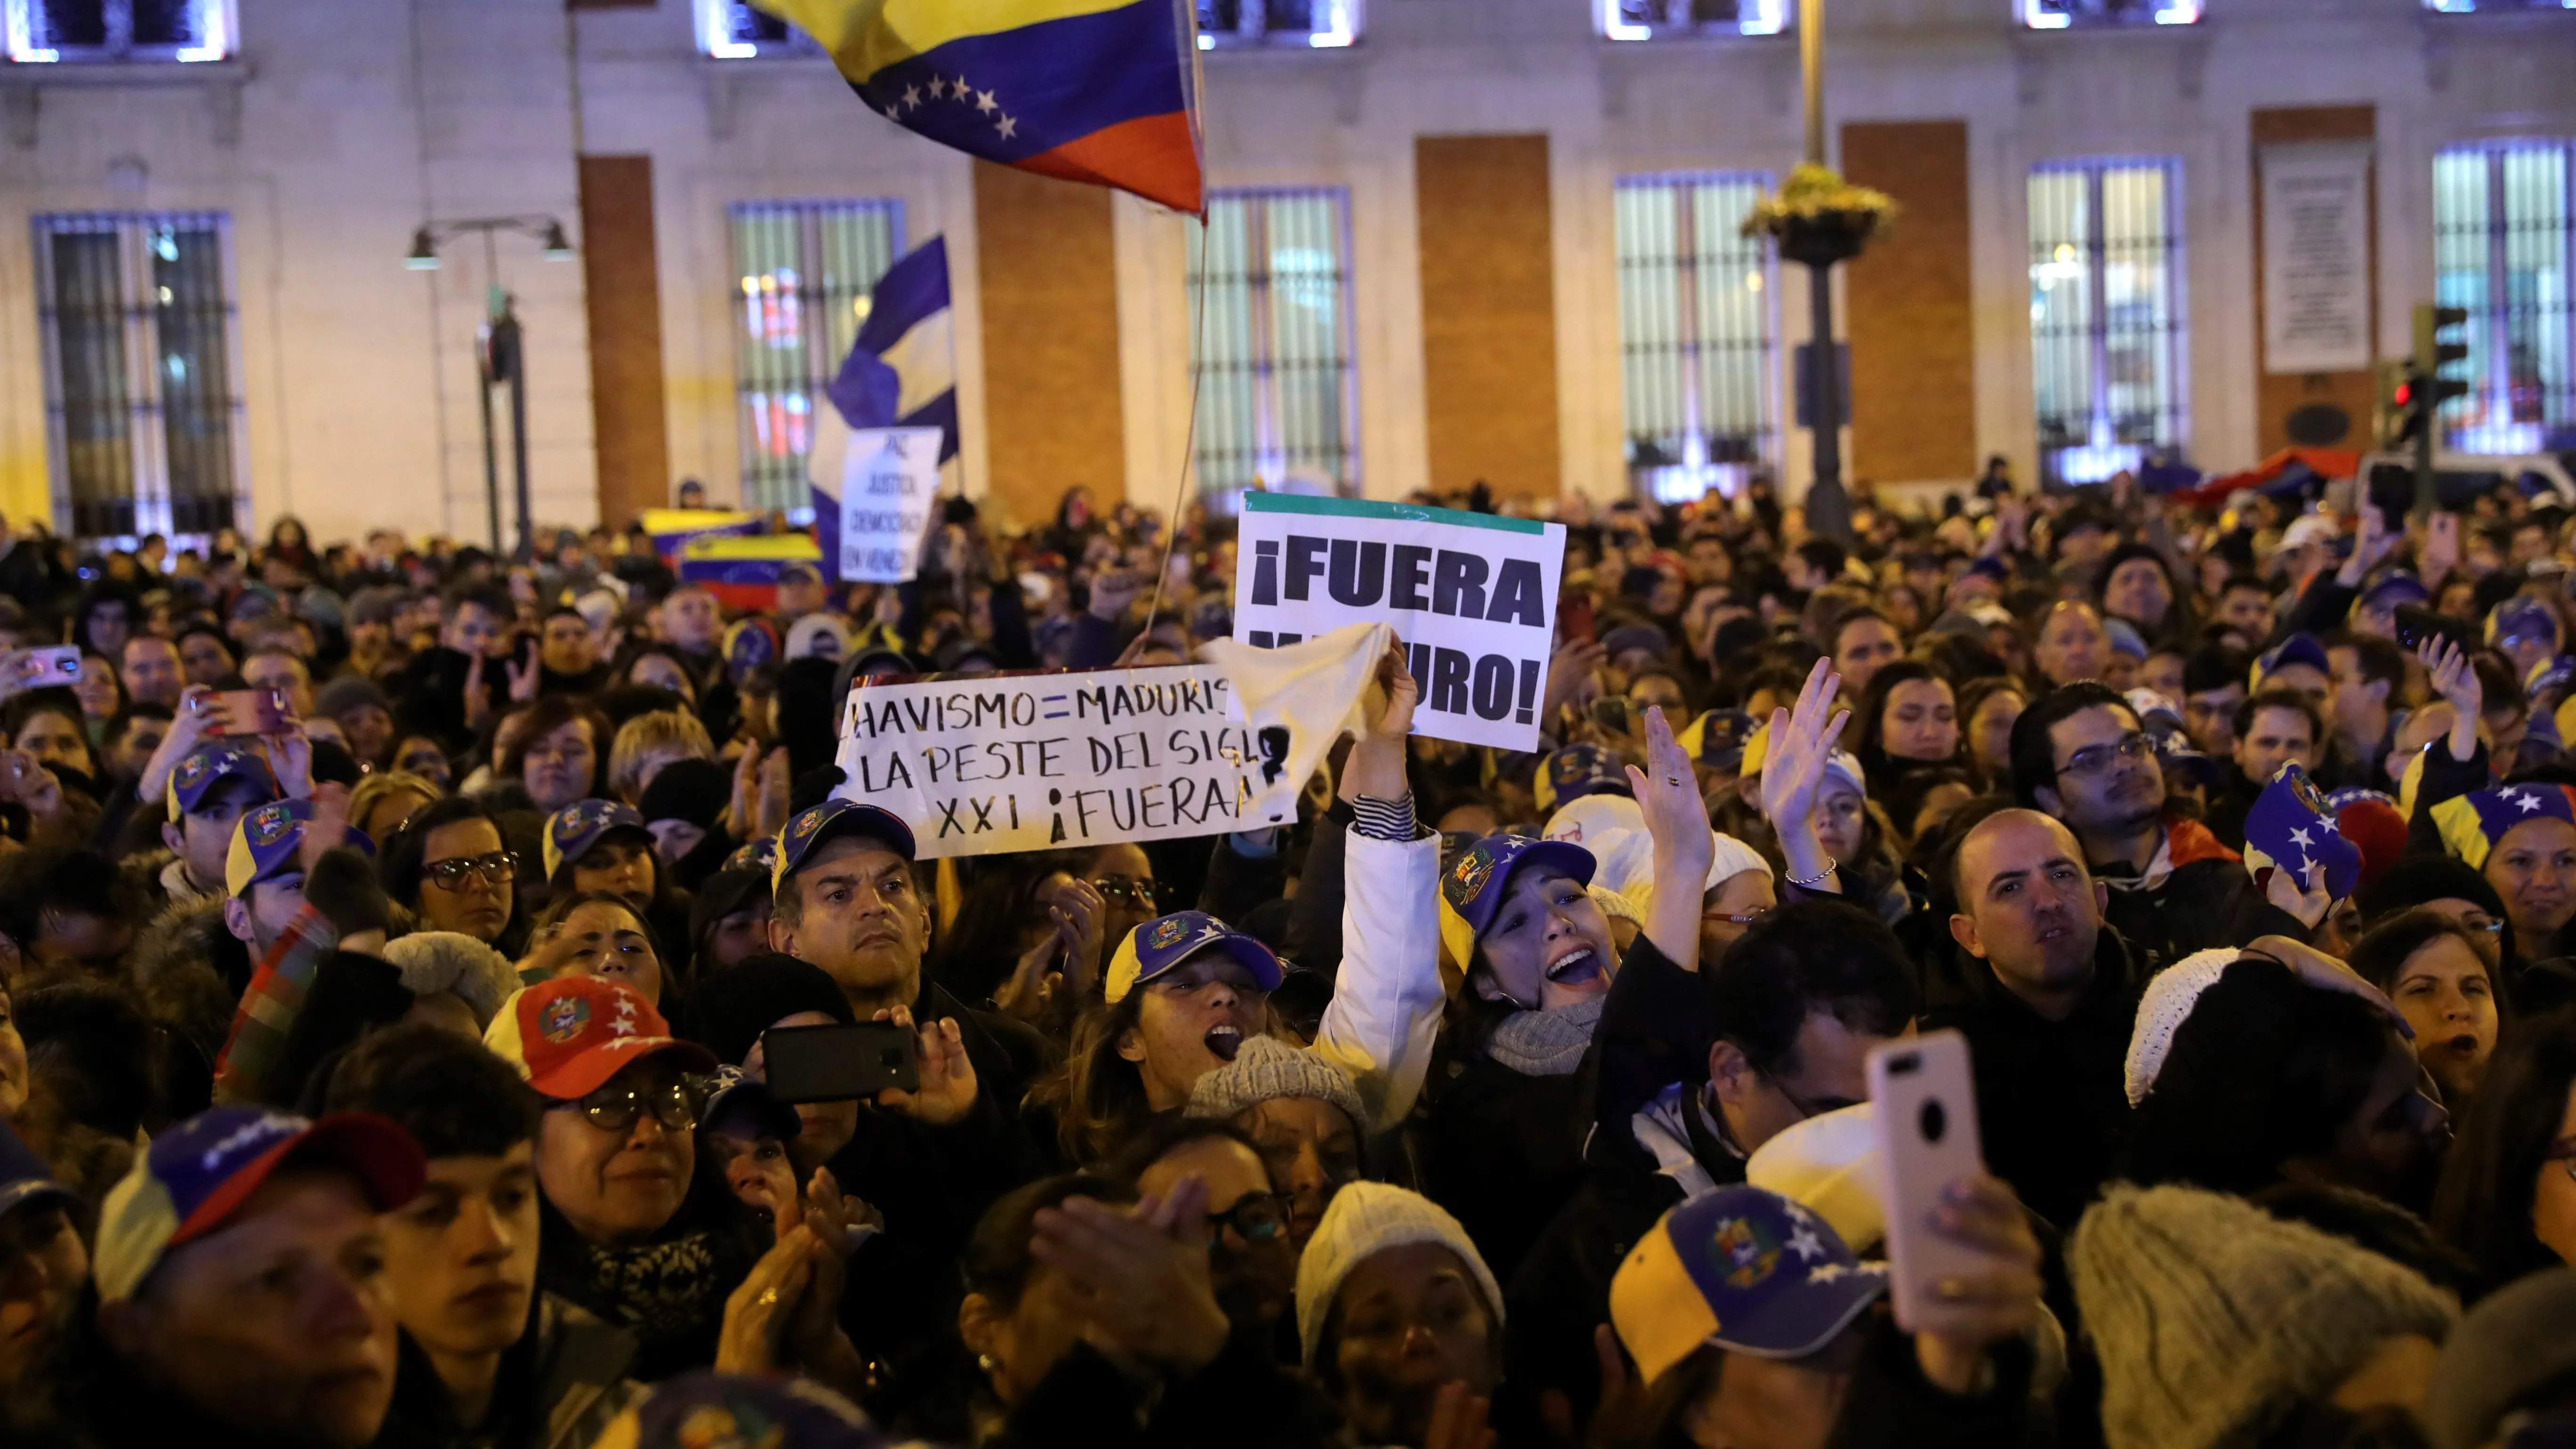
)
(1546, 1043)
(661, 1290)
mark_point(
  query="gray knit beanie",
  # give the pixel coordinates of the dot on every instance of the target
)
(2213, 1319)
(450, 961)
(1266, 1067)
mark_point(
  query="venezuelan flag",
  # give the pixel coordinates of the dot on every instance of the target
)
(671, 529)
(743, 572)
(1097, 91)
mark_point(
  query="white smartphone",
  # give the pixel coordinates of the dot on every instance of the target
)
(1926, 1111)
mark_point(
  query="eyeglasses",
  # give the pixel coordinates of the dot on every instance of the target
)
(1256, 1217)
(1117, 888)
(617, 1106)
(451, 874)
(2098, 759)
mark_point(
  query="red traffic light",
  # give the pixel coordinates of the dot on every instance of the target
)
(2405, 394)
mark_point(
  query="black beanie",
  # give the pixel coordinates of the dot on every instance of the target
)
(2420, 878)
(731, 1007)
(696, 791)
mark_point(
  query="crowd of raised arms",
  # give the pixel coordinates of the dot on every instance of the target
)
(395, 939)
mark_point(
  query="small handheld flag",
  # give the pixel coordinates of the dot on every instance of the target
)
(2290, 828)
(1098, 91)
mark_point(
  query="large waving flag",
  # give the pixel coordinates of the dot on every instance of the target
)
(902, 367)
(1097, 91)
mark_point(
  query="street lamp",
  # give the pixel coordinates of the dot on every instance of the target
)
(500, 351)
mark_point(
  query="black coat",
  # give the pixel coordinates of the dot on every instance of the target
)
(1503, 1151)
(2052, 1100)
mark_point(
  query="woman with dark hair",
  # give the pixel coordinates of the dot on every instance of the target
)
(658, 666)
(1987, 709)
(2508, 1193)
(288, 544)
(1003, 914)
(448, 865)
(1909, 720)
(105, 617)
(2436, 972)
(556, 752)
(598, 933)
(46, 725)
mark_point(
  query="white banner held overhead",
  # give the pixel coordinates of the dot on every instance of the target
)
(2316, 257)
(1472, 597)
(979, 766)
(886, 482)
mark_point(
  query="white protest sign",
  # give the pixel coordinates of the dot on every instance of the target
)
(874, 489)
(1471, 595)
(978, 766)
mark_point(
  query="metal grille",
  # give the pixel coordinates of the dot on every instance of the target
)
(142, 404)
(805, 269)
(1276, 385)
(1652, 19)
(2504, 249)
(1316, 23)
(738, 30)
(1698, 332)
(113, 30)
(2106, 315)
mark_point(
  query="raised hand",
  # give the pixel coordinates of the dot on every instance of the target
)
(2307, 901)
(1968, 1313)
(328, 830)
(523, 682)
(774, 793)
(1573, 676)
(1079, 913)
(742, 816)
(758, 1311)
(1801, 741)
(2455, 679)
(1376, 764)
(1458, 1420)
(1668, 796)
(948, 1084)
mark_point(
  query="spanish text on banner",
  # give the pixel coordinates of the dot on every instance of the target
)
(1472, 597)
(979, 766)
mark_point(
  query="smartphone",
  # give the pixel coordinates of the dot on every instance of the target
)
(1611, 713)
(1574, 619)
(839, 1063)
(1926, 1115)
(2415, 624)
(251, 712)
(56, 666)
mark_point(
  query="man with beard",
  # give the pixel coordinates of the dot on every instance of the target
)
(2046, 994)
(2079, 754)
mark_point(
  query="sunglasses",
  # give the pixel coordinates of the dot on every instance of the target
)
(1117, 888)
(617, 1106)
(451, 874)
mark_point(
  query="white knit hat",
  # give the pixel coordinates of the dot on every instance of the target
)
(1365, 1219)
(1730, 858)
(2170, 996)
(1586, 818)
(1829, 1163)
(1266, 1067)
(453, 962)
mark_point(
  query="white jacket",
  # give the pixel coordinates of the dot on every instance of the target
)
(1385, 1013)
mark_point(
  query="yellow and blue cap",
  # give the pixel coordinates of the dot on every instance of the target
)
(209, 765)
(1576, 771)
(2521, 617)
(810, 827)
(1166, 941)
(267, 840)
(573, 830)
(2474, 824)
(1472, 886)
(196, 1175)
(2294, 650)
(1747, 1270)
(1718, 737)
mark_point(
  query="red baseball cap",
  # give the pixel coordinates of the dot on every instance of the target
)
(570, 1035)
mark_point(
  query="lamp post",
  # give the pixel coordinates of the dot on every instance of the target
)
(1818, 248)
(500, 351)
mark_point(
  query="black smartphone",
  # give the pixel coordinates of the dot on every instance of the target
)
(2416, 624)
(1611, 713)
(839, 1063)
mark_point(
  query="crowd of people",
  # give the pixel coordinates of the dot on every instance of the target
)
(395, 942)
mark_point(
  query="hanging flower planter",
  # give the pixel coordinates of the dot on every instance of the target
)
(1819, 219)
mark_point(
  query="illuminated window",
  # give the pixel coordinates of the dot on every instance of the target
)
(1277, 399)
(805, 270)
(2106, 315)
(2062, 14)
(2502, 240)
(2463, 7)
(142, 395)
(1698, 332)
(1314, 24)
(737, 30)
(1656, 19)
(46, 31)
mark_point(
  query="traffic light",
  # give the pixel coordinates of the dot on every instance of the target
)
(2392, 422)
(2433, 352)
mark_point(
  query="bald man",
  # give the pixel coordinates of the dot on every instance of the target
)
(2046, 992)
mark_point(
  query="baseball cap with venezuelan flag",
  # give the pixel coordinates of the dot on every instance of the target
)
(1744, 1269)
(568, 1036)
(196, 1176)
(1166, 941)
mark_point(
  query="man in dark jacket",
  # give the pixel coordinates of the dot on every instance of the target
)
(1694, 1071)
(2079, 754)
(2047, 995)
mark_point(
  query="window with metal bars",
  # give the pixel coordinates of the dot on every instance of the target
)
(738, 30)
(1277, 392)
(1666, 19)
(2463, 7)
(1698, 330)
(2106, 315)
(2067, 14)
(2504, 249)
(46, 31)
(805, 271)
(143, 405)
(1311, 24)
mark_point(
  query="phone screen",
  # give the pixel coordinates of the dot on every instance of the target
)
(251, 712)
(839, 1063)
